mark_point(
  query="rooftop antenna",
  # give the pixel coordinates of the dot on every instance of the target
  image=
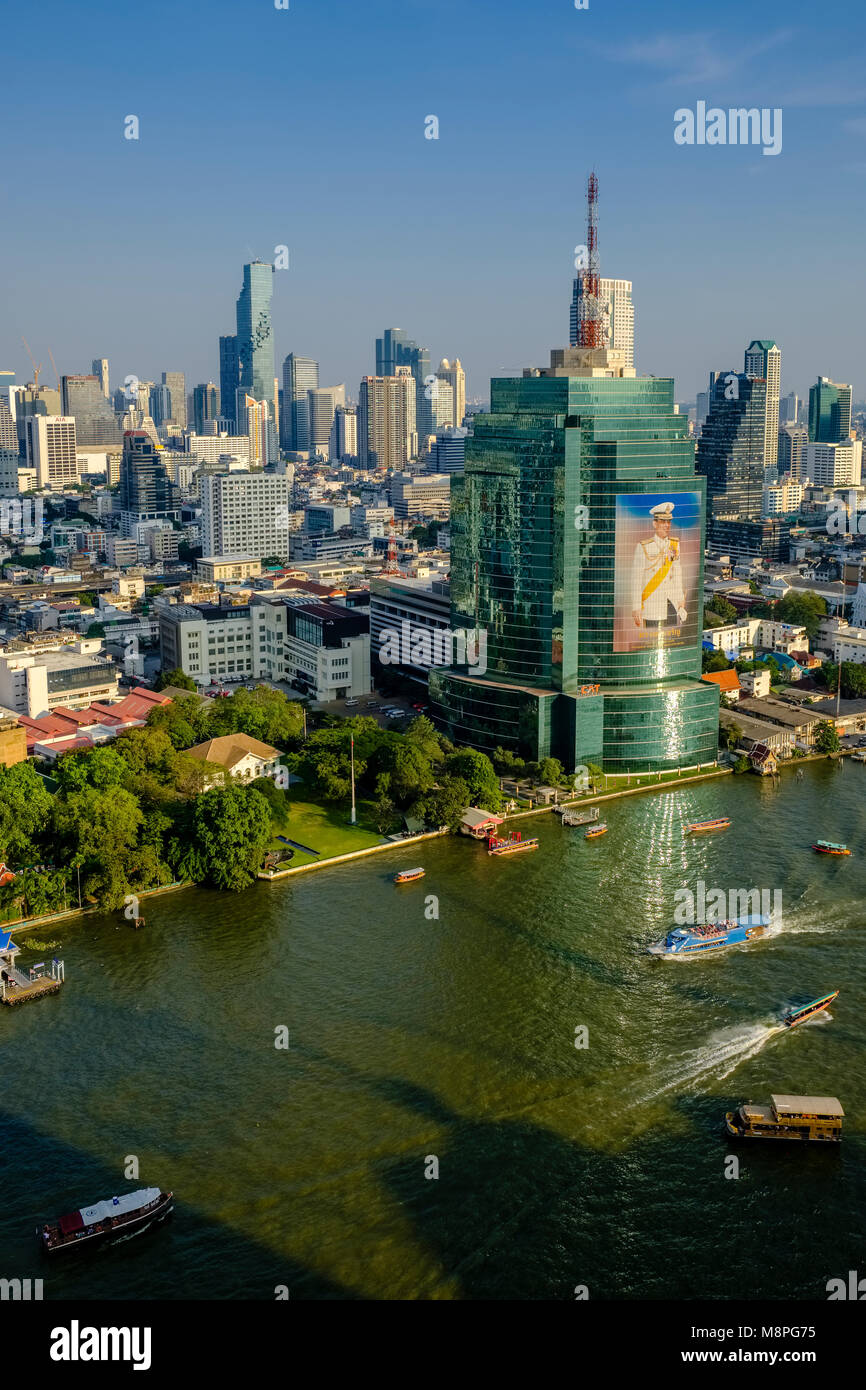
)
(590, 329)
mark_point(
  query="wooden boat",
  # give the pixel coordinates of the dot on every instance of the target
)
(816, 1006)
(138, 923)
(828, 847)
(700, 827)
(788, 1117)
(515, 844)
(409, 875)
(595, 832)
(107, 1221)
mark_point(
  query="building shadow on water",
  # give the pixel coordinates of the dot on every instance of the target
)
(188, 1257)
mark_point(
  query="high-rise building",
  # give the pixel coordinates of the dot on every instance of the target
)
(322, 402)
(99, 368)
(763, 360)
(448, 451)
(789, 409)
(245, 513)
(833, 465)
(176, 383)
(395, 350)
(343, 444)
(577, 573)
(730, 453)
(454, 375)
(387, 434)
(617, 311)
(33, 400)
(254, 420)
(51, 450)
(300, 375)
(160, 405)
(254, 333)
(829, 412)
(230, 375)
(146, 491)
(96, 424)
(793, 439)
(205, 404)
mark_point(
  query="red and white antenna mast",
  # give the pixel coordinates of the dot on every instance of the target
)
(590, 326)
(391, 566)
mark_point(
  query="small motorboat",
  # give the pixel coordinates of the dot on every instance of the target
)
(594, 833)
(828, 847)
(409, 875)
(700, 827)
(107, 1221)
(794, 1016)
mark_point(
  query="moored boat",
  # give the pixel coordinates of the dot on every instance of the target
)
(816, 1006)
(700, 827)
(788, 1117)
(106, 1221)
(514, 844)
(595, 831)
(712, 936)
(409, 875)
(829, 847)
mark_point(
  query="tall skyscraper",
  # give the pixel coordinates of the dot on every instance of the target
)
(33, 400)
(577, 554)
(394, 349)
(300, 375)
(793, 439)
(176, 383)
(160, 405)
(99, 368)
(205, 404)
(322, 402)
(829, 412)
(51, 450)
(730, 453)
(387, 434)
(255, 337)
(343, 444)
(617, 311)
(789, 409)
(763, 359)
(96, 424)
(146, 491)
(454, 377)
(229, 376)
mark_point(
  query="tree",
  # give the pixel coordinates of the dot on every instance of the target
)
(550, 771)
(383, 806)
(476, 770)
(176, 677)
(96, 630)
(725, 610)
(714, 661)
(742, 765)
(409, 771)
(98, 830)
(804, 609)
(232, 827)
(443, 804)
(99, 767)
(733, 735)
(826, 737)
(25, 810)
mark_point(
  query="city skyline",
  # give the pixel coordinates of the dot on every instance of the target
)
(479, 271)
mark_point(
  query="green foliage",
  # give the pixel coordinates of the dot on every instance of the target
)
(805, 609)
(443, 804)
(232, 827)
(742, 765)
(853, 683)
(714, 661)
(476, 770)
(176, 677)
(826, 737)
(550, 771)
(506, 763)
(733, 736)
(97, 831)
(25, 810)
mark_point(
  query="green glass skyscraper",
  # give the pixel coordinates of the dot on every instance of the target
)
(254, 336)
(577, 556)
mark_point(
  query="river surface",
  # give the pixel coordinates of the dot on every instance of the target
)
(417, 1041)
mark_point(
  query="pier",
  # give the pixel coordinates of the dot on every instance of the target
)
(18, 988)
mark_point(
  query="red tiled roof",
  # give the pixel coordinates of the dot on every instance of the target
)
(725, 680)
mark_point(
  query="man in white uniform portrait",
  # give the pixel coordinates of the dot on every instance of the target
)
(657, 597)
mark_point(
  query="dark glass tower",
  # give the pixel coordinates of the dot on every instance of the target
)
(731, 447)
(395, 350)
(829, 412)
(562, 554)
(206, 405)
(255, 338)
(229, 378)
(300, 375)
(146, 492)
(96, 425)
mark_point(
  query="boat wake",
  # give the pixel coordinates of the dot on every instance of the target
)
(717, 1058)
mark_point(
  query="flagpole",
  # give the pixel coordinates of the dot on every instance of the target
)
(352, 745)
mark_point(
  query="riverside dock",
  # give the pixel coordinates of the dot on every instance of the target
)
(18, 988)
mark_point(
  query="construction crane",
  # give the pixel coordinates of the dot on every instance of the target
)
(54, 365)
(36, 370)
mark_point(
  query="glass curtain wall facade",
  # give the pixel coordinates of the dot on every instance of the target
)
(543, 554)
(731, 447)
(255, 337)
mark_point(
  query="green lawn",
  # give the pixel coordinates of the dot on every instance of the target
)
(325, 828)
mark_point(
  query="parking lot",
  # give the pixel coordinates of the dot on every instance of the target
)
(375, 706)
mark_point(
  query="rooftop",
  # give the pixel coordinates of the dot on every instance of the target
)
(230, 749)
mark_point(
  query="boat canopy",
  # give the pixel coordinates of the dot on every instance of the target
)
(118, 1206)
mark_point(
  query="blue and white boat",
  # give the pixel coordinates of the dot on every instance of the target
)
(713, 936)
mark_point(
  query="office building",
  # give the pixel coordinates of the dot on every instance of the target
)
(99, 369)
(175, 382)
(32, 400)
(32, 685)
(300, 376)
(146, 491)
(782, 499)
(387, 434)
(454, 377)
(395, 350)
(50, 444)
(205, 405)
(617, 311)
(448, 451)
(833, 465)
(731, 449)
(573, 472)
(789, 409)
(829, 412)
(763, 360)
(160, 405)
(793, 439)
(322, 403)
(753, 538)
(245, 513)
(96, 425)
(343, 443)
(418, 613)
(210, 448)
(229, 376)
(254, 334)
(422, 494)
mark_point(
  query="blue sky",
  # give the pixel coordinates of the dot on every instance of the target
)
(305, 127)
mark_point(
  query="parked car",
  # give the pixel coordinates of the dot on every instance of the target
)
(351, 701)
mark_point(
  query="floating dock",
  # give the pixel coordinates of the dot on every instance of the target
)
(18, 988)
